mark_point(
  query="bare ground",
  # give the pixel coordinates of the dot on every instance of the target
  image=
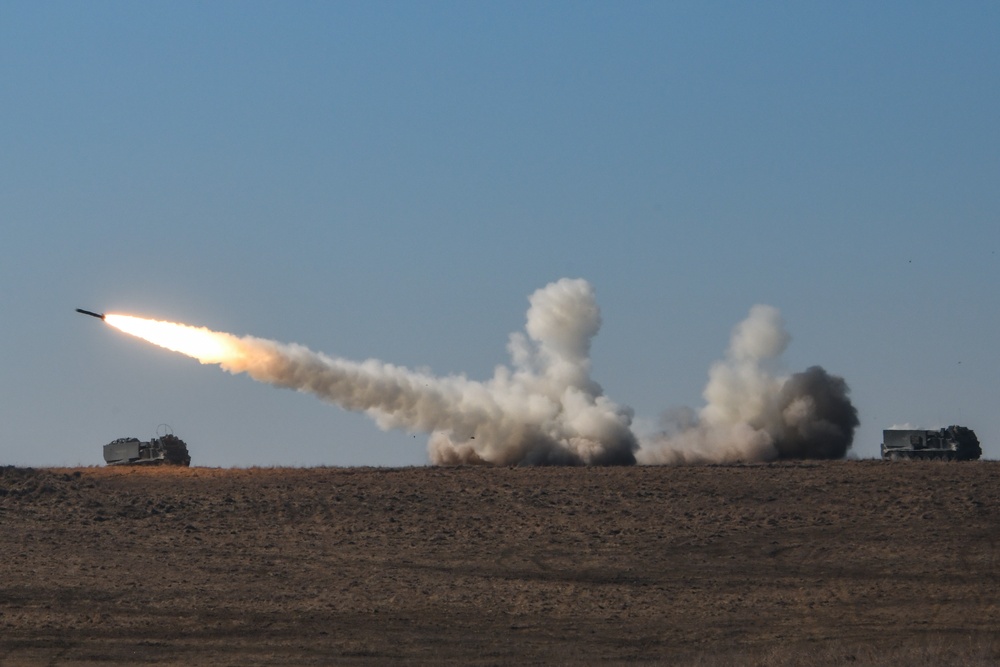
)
(851, 562)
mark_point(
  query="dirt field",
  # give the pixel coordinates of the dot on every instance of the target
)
(836, 563)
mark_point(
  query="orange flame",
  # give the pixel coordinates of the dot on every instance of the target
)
(205, 345)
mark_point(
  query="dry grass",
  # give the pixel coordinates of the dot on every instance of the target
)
(842, 563)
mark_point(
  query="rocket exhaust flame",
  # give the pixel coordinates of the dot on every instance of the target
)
(208, 347)
(545, 408)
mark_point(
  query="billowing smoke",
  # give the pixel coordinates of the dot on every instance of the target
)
(544, 408)
(753, 415)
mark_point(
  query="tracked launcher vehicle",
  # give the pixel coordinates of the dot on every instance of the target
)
(166, 449)
(955, 443)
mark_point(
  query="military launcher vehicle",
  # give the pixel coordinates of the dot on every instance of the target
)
(955, 443)
(163, 450)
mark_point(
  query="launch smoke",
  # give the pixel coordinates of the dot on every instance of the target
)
(753, 415)
(544, 408)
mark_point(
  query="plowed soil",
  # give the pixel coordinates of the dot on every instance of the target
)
(850, 562)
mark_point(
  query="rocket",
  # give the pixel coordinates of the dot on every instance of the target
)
(92, 314)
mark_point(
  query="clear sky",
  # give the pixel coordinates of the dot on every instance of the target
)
(393, 179)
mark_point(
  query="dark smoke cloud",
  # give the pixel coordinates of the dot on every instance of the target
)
(818, 417)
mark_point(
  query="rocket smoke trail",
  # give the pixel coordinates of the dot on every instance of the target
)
(545, 408)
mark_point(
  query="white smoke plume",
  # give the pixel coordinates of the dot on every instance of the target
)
(753, 415)
(544, 408)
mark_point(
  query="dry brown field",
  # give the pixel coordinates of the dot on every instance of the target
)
(836, 563)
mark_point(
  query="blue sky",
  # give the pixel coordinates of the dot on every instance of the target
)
(392, 180)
